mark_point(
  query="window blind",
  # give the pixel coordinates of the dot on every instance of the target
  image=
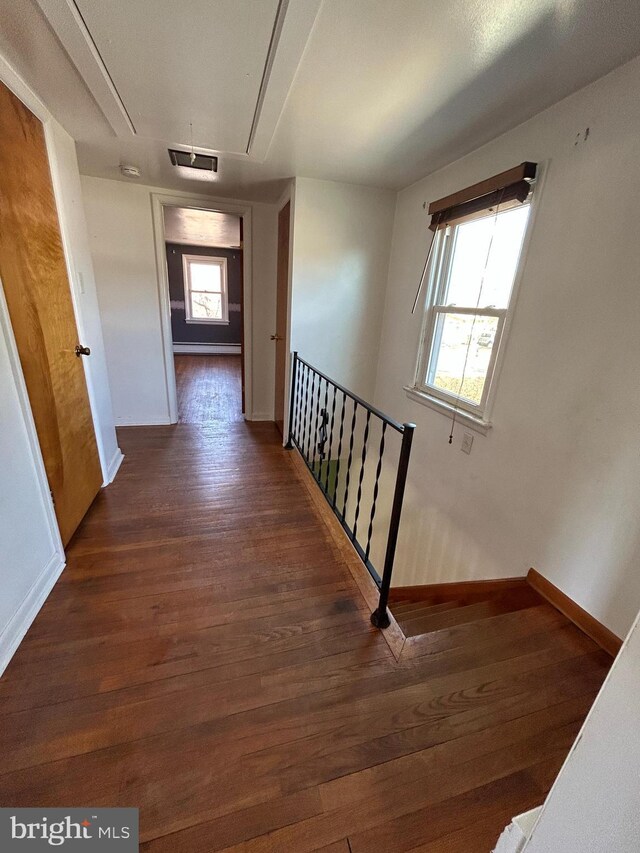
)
(506, 189)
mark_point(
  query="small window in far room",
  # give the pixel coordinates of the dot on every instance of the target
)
(473, 269)
(205, 289)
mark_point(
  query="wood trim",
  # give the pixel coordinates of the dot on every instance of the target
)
(243, 392)
(280, 399)
(506, 198)
(525, 171)
(221, 205)
(393, 634)
(114, 466)
(425, 591)
(587, 623)
(23, 618)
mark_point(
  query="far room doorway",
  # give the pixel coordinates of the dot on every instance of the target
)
(204, 255)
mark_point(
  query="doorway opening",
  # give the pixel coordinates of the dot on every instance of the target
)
(204, 266)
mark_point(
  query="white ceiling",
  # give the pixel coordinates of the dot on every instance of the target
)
(194, 227)
(379, 92)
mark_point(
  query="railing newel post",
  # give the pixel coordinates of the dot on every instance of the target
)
(380, 617)
(292, 396)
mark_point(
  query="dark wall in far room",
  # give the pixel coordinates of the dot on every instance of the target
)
(201, 333)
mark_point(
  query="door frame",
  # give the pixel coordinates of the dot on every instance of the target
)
(289, 195)
(282, 306)
(200, 202)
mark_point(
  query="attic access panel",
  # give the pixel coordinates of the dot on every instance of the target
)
(203, 65)
(200, 161)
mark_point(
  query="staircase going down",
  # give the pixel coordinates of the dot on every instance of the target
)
(423, 610)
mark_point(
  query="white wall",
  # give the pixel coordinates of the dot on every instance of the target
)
(123, 249)
(556, 482)
(341, 241)
(593, 805)
(31, 555)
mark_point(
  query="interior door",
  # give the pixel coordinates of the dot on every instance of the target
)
(33, 274)
(282, 303)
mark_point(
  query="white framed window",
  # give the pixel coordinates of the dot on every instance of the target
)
(473, 270)
(205, 289)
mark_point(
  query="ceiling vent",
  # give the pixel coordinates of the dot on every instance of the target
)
(191, 160)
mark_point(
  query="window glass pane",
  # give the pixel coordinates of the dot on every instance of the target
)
(205, 277)
(206, 306)
(492, 242)
(462, 344)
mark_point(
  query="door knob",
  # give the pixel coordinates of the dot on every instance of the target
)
(82, 350)
(276, 337)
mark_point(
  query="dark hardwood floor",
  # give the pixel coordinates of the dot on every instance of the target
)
(207, 657)
(209, 388)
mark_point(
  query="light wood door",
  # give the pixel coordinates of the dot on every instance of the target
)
(34, 278)
(282, 304)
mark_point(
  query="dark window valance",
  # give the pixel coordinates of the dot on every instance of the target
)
(507, 189)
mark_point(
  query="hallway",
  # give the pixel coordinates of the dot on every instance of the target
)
(207, 656)
(209, 388)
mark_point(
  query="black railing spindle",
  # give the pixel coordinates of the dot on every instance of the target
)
(311, 436)
(349, 460)
(333, 417)
(372, 515)
(324, 414)
(300, 384)
(363, 462)
(307, 371)
(317, 422)
(335, 492)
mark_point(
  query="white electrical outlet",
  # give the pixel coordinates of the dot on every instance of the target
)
(467, 442)
(81, 282)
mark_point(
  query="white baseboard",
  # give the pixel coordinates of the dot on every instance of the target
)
(516, 835)
(210, 349)
(125, 422)
(22, 619)
(261, 416)
(114, 466)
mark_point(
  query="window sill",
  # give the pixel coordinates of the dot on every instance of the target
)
(447, 409)
(207, 322)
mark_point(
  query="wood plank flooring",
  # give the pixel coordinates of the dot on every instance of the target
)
(207, 657)
(209, 388)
